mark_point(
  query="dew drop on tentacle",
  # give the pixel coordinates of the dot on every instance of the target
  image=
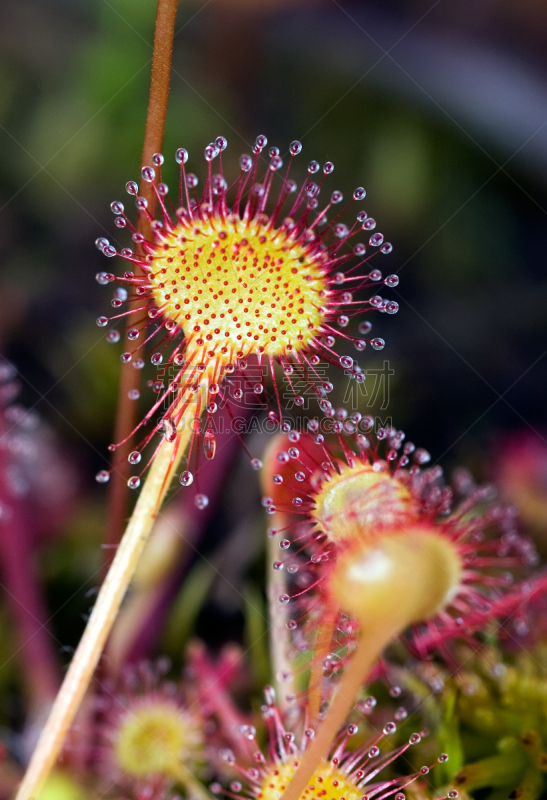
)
(120, 293)
(169, 429)
(186, 478)
(376, 240)
(211, 152)
(100, 244)
(260, 143)
(201, 501)
(181, 156)
(245, 162)
(421, 456)
(148, 174)
(352, 729)
(209, 444)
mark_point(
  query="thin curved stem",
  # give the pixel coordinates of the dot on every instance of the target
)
(126, 412)
(159, 82)
(369, 648)
(88, 652)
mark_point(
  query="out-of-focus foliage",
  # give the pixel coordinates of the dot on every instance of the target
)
(493, 721)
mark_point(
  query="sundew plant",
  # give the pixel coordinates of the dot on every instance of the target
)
(240, 288)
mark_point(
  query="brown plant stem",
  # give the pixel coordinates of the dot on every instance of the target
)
(126, 413)
(369, 648)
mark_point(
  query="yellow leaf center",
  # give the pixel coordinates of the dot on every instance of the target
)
(360, 501)
(327, 783)
(154, 740)
(240, 288)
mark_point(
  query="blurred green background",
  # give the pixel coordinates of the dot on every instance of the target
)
(437, 108)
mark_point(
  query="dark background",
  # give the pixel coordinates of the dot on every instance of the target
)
(439, 109)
